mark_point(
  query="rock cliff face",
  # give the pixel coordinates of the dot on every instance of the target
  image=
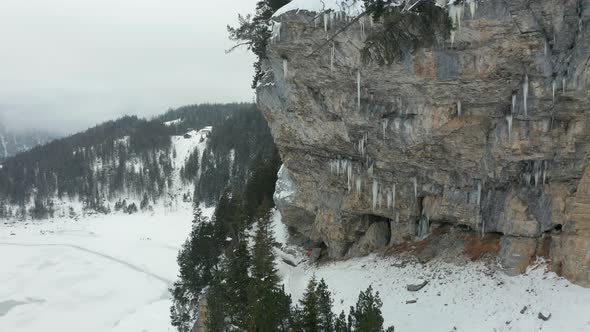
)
(488, 130)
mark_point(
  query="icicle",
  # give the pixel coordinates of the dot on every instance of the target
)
(553, 87)
(375, 192)
(393, 194)
(563, 81)
(545, 50)
(397, 123)
(527, 178)
(513, 109)
(332, 18)
(525, 91)
(423, 227)
(380, 200)
(384, 125)
(370, 170)
(472, 8)
(459, 108)
(358, 184)
(415, 182)
(349, 176)
(276, 33)
(478, 194)
(509, 123)
(483, 227)
(358, 88)
(456, 14)
(362, 24)
(388, 200)
(539, 173)
(285, 68)
(332, 57)
(326, 19)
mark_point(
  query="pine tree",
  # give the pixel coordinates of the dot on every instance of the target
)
(366, 315)
(269, 305)
(237, 283)
(309, 320)
(197, 261)
(325, 304)
(341, 324)
(216, 306)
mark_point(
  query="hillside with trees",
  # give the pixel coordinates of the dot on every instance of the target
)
(130, 161)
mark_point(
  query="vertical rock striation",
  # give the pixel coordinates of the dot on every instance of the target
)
(488, 129)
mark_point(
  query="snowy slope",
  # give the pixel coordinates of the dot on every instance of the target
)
(108, 273)
(458, 298)
(171, 201)
(183, 148)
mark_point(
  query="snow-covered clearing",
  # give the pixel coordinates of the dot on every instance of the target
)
(112, 273)
(456, 298)
(103, 273)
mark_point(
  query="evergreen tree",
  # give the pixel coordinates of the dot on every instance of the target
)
(309, 315)
(236, 285)
(366, 315)
(197, 261)
(325, 304)
(341, 324)
(216, 306)
(254, 32)
(269, 305)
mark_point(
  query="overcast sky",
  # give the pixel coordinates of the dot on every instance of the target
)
(69, 64)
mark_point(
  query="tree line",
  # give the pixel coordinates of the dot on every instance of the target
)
(132, 158)
(230, 261)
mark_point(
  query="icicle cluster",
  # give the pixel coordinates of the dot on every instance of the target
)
(537, 172)
(456, 13)
(375, 193)
(391, 199)
(343, 167)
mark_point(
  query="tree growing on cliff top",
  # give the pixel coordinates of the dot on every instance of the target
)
(253, 32)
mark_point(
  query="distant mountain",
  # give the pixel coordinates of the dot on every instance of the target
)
(12, 143)
(191, 154)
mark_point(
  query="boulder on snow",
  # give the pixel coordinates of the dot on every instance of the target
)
(544, 315)
(417, 287)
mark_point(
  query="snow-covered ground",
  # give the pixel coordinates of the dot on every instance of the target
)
(112, 273)
(457, 298)
(103, 273)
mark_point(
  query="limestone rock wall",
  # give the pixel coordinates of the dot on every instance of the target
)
(489, 130)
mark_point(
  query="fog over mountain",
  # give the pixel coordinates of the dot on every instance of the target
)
(69, 64)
